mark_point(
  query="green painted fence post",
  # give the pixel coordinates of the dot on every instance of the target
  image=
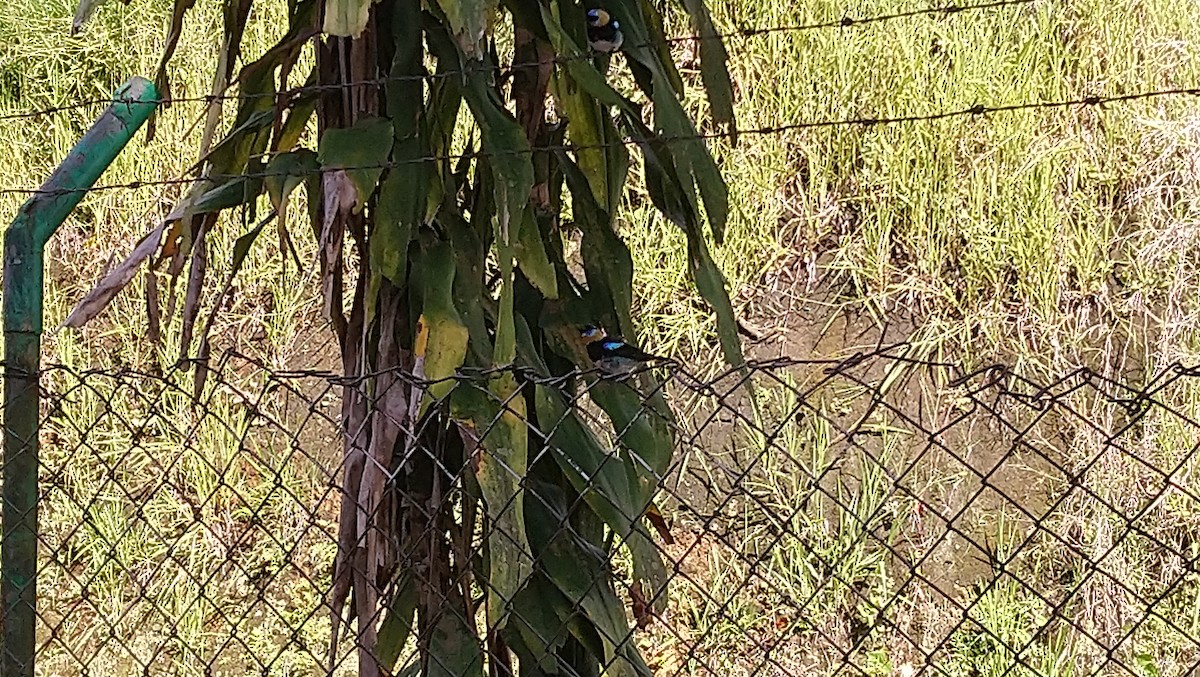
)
(24, 243)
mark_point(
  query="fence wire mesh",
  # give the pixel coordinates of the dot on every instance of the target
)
(875, 515)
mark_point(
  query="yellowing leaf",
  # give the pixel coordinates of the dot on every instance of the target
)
(346, 18)
(445, 345)
(468, 21)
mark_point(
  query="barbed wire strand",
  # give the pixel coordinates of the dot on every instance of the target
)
(845, 22)
(973, 111)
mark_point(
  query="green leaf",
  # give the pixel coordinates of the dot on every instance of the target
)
(697, 168)
(470, 296)
(346, 18)
(642, 425)
(403, 196)
(537, 616)
(395, 222)
(582, 70)
(162, 81)
(714, 69)
(397, 624)
(658, 40)
(496, 422)
(284, 172)
(710, 282)
(581, 571)
(454, 649)
(530, 252)
(598, 476)
(362, 151)
(241, 247)
(504, 140)
(446, 345)
(662, 181)
(606, 258)
(299, 115)
(251, 128)
(441, 117)
(229, 194)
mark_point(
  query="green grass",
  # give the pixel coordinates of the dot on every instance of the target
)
(1047, 238)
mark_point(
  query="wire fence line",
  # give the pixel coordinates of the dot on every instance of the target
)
(878, 514)
(866, 121)
(949, 9)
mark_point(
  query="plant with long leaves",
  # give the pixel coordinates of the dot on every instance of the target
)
(461, 269)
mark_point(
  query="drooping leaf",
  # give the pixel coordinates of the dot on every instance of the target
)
(397, 623)
(234, 15)
(444, 103)
(495, 427)
(600, 477)
(581, 572)
(468, 21)
(299, 115)
(404, 192)
(710, 282)
(162, 82)
(361, 151)
(642, 424)
(454, 649)
(241, 247)
(252, 125)
(606, 258)
(714, 68)
(580, 69)
(398, 198)
(284, 173)
(84, 12)
(446, 346)
(698, 171)
(657, 41)
(543, 631)
(117, 279)
(504, 140)
(663, 184)
(227, 195)
(532, 259)
(346, 18)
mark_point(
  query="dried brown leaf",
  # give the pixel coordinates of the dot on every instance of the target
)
(104, 292)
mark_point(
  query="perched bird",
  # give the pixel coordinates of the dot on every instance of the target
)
(613, 355)
(603, 31)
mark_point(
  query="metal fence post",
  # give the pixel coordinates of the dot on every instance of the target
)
(24, 243)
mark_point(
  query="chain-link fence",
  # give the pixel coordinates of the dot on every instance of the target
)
(873, 516)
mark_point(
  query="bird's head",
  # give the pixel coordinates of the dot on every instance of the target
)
(591, 334)
(598, 18)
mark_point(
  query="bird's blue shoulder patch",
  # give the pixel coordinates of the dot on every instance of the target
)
(612, 345)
